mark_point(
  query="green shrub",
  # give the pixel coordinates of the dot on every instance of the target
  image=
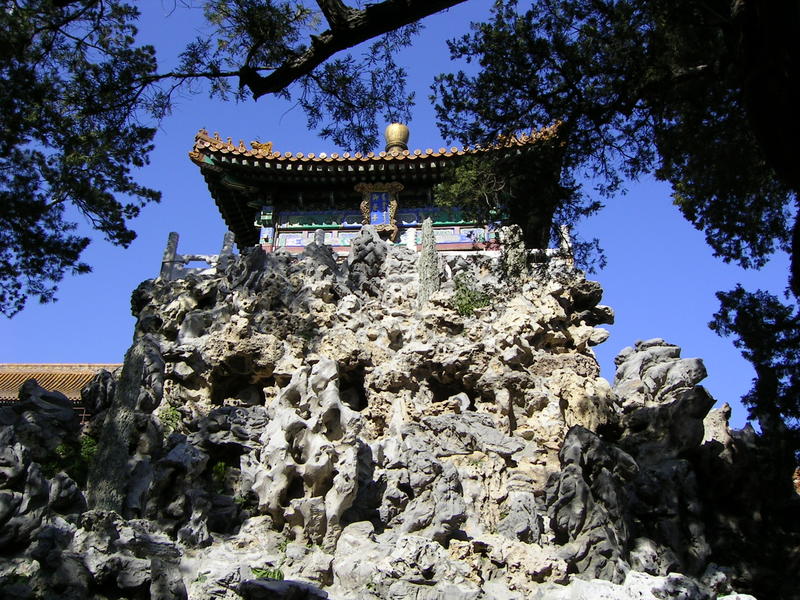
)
(64, 451)
(50, 468)
(267, 573)
(73, 459)
(88, 448)
(467, 296)
(170, 418)
(202, 577)
(218, 474)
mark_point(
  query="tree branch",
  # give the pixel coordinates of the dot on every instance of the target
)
(358, 26)
(65, 3)
(336, 13)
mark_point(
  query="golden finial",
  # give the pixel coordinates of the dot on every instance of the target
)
(396, 136)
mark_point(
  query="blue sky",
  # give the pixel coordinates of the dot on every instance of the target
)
(660, 278)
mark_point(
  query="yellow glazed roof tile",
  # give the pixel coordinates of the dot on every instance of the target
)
(205, 143)
(68, 379)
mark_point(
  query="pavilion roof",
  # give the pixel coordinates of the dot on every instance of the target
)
(68, 379)
(242, 178)
(263, 154)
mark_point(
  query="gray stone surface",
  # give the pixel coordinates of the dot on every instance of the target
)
(587, 504)
(428, 264)
(287, 426)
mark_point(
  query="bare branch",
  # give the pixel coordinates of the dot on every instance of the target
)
(359, 26)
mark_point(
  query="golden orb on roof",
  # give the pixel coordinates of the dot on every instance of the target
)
(396, 136)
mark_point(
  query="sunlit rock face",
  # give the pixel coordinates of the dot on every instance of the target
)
(295, 427)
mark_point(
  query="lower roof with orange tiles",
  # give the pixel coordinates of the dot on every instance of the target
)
(66, 378)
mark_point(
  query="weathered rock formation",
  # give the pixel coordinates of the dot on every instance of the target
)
(295, 427)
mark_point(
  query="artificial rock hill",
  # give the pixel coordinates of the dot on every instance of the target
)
(400, 425)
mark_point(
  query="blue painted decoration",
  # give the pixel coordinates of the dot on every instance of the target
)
(379, 208)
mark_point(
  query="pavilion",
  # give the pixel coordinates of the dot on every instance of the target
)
(281, 199)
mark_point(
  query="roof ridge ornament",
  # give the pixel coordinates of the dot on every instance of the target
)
(262, 147)
(396, 135)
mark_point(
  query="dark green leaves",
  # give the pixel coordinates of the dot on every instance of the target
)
(639, 86)
(768, 333)
(68, 135)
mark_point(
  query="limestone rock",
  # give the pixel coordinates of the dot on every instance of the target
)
(428, 264)
(279, 590)
(292, 426)
(587, 505)
(634, 585)
(663, 405)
